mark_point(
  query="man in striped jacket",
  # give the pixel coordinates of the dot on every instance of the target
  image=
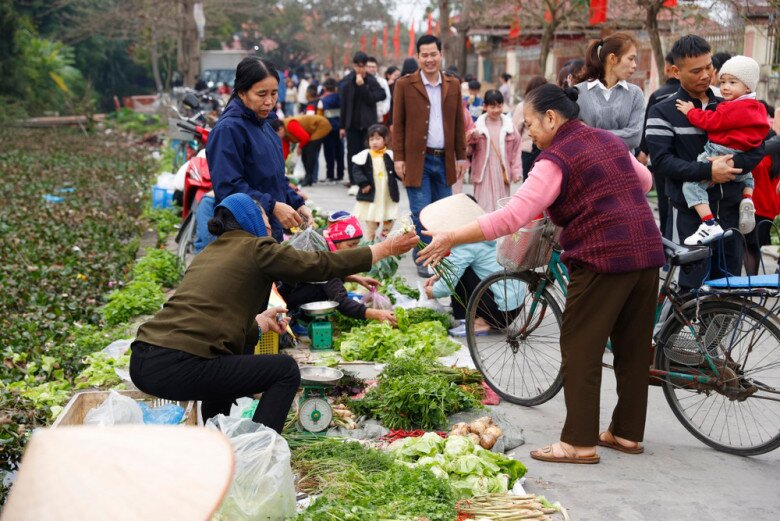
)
(674, 144)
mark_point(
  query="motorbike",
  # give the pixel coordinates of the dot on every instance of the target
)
(197, 183)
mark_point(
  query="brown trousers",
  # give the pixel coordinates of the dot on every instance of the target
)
(602, 306)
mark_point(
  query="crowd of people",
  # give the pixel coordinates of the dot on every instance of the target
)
(587, 149)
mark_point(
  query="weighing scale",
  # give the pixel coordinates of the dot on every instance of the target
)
(314, 411)
(320, 328)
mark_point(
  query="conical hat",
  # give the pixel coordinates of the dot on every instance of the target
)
(122, 473)
(450, 213)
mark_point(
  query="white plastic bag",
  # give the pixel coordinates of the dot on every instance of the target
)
(299, 172)
(116, 410)
(375, 300)
(263, 485)
(425, 302)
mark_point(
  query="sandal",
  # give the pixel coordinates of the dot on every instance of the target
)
(607, 439)
(547, 454)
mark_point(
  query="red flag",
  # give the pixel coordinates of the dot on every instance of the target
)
(468, 43)
(384, 42)
(670, 3)
(411, 39)
(397, 41)
(346, 59)
(514, 29)
(598, 11)
(430, 24)
(363, 42)
(373, 43)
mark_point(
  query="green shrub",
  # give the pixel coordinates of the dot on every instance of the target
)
(141, 296)
(160, 266)
(164, 221)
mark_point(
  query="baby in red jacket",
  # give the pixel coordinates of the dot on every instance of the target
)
(738, 124)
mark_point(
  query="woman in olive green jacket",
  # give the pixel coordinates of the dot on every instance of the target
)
(193, 348)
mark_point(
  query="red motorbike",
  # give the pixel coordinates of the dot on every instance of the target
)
(197, 183)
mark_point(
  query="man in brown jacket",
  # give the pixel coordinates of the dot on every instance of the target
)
(429, 142)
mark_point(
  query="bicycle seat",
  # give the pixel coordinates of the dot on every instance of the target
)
(680, 255)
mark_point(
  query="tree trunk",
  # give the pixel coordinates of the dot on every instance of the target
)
(653, 7)
(461, 51)
(155, 59)
(448, 43)
(188, 55)
(547, 38)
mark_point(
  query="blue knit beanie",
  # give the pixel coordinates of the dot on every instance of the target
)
(246, 213)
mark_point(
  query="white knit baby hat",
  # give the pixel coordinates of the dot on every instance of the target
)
(743, 68)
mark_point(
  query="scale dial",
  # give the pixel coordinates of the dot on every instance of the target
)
(315, 414)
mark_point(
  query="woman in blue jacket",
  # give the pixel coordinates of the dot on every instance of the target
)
(244, 152)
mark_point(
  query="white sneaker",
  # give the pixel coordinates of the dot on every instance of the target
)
(706, 233)
(747, 216)
(353, 190)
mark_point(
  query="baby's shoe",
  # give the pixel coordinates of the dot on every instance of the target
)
(747, 216)
(706, 233)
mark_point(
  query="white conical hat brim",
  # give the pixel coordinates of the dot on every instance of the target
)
(450, 213)
(122, 473)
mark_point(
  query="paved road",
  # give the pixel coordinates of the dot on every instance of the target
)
(677, 478)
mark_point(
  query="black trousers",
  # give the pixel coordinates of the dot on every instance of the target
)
(333, 148)
(663, 204)
(527, 159)
(487, 307)
(310, 154)
(726, 254)
(356, 142)
(175, 375)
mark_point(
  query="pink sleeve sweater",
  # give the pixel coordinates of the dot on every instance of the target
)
(538, 192)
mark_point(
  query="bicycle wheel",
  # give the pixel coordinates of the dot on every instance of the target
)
(186, 239)
(520, 358)
(739, 412)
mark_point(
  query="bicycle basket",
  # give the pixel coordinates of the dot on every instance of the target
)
(529, 247)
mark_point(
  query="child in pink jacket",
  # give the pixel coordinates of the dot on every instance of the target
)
(495, 147)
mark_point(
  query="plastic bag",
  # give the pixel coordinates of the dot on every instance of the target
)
(299, 172)
(425, 302)
(308, 240)
(115, 410)
(168, 414)
(263, 485)
(375, 300)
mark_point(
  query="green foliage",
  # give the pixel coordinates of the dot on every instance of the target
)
(50, 81)
(161, 266)
(408, 396)
(139, 297)
(101, 371)
(128, 120)
(354, 483)
(381, 343)
(469, 469)
(60, 258)
(408, 317)
(164, 221)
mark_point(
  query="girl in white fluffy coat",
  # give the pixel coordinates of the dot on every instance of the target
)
(495, 149)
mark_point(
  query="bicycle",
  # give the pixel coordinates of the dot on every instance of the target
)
(704, 345)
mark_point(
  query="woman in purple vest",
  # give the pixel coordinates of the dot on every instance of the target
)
(591, 186)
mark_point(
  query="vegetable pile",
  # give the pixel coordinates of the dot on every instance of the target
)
(469, 469)
(417, 394)
(379, 342)
(482, 432)
(354, 483)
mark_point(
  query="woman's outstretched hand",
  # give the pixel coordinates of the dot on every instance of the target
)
(440, 246)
